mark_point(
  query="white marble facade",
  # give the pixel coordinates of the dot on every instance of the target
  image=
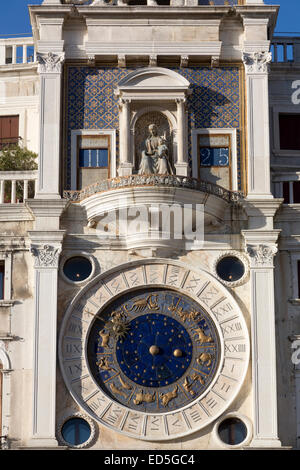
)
(39, 235)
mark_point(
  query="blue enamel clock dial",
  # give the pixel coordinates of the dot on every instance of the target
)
(147, 355)
(153, 350)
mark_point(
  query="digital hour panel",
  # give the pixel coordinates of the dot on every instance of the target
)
(212, 156)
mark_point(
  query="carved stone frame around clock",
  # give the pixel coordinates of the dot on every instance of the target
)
(199, 285)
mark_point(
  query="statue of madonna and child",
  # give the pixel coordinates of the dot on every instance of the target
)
(155, 157)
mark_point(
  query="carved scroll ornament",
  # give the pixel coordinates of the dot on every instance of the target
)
(262, 255)
(50, 63)
(257, 62)
(46, 256)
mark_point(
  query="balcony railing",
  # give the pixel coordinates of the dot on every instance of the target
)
(285, 50)
(170, 181)
(17, 186)
(17, 51)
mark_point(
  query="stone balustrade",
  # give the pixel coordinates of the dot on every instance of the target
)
(17, 51)
(170, 181)
(14, 185)
(285, 49)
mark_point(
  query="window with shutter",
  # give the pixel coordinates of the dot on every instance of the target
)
(9, 130)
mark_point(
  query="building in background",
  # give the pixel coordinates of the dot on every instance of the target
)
(120, 328)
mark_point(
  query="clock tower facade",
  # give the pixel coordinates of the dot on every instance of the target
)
(150, 241)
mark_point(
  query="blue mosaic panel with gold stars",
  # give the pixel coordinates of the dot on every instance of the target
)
(154, 350)
(215, 101)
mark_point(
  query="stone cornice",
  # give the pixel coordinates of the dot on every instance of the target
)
(14, 212)
(261, 207)
(253, 11)
(46, 207)
(258, 237)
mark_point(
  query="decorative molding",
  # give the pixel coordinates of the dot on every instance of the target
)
(50, 63)
(235, 254)
(262, 255)
(46, 256)
(257, 62)
(236, 415)
(175, 48)
(215, 60)
(122, 60)
(184, 61)
(91, 60)
(153, 60)
(82, 254)
(198, 284)
(7, 303)
(173, 181)
(4, 358)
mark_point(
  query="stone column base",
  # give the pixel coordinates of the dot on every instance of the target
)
(40, 443)
(265, 444)
(125, 169)
(182, 169)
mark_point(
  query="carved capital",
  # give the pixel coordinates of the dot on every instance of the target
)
(180, 101)
(50, 63)
(262, 255)
(257, 62)
(45, 256)
(124, 103)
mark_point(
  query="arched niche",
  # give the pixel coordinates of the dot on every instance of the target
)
(153, 90)
(166, 124)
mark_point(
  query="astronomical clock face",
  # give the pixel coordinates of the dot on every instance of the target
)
(155, 351)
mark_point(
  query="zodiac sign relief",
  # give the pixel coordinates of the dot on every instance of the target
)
(105, 339)
(187, 385)
(205, 359)
(202, 337)
(167, 397)
(124, 384)
(104, 364)
(192, 315)
(143, 397)
(141, 304)
(116, 390)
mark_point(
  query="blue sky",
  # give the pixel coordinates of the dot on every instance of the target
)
(14, 19)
